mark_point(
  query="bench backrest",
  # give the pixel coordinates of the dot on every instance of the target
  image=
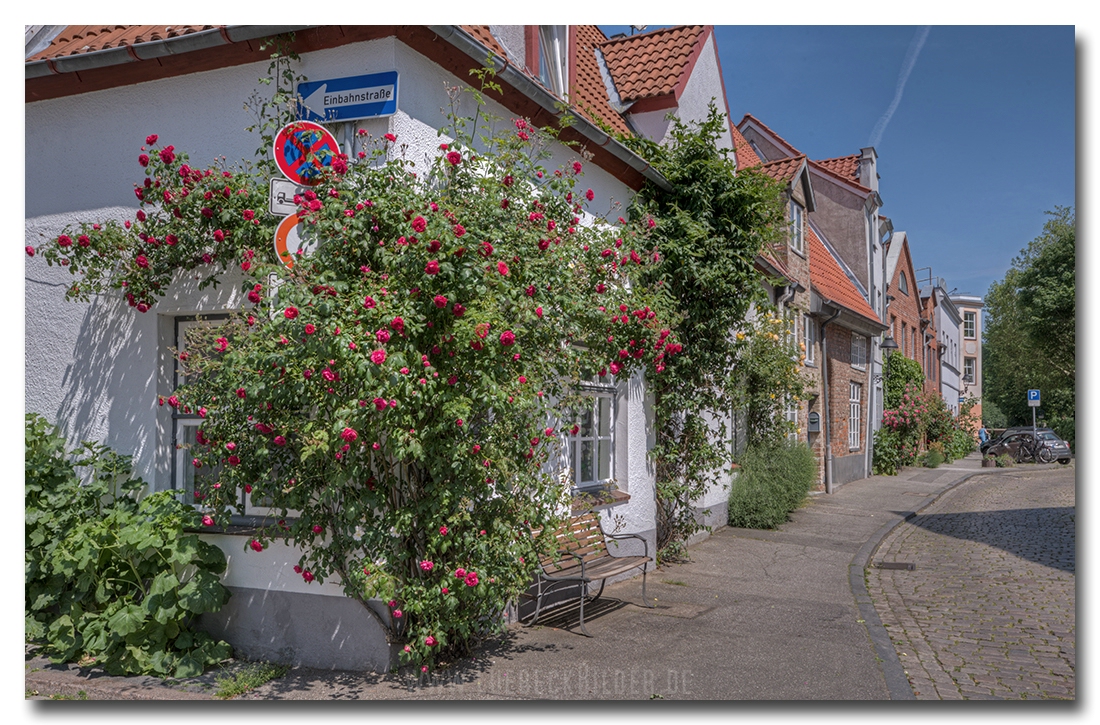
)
(581, 536)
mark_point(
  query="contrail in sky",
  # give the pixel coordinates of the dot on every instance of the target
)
(906, 69)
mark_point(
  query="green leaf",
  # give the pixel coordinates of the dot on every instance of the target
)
(126, 620)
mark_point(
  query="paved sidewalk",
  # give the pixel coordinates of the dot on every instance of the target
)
(778, 615)
(988, 612)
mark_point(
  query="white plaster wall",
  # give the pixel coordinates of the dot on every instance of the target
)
(704, 84)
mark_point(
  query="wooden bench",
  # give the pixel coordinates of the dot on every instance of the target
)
(581, 557)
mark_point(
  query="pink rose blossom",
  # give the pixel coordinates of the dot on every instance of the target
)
(378, 356)
(349, 435)
(427, 565)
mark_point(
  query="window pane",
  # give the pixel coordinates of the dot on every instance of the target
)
(586, 422)
(605, 460)
(605, 417)
(588, 454)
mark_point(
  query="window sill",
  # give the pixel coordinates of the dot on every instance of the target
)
(596, 499)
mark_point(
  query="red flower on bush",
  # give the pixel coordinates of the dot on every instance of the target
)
(454, 158)
(290, 313)
(502, 268)
(471, 579)
(458, 309)
(349, 435)
(507, 338)
(419, 225)
(440, 301)
(389, 137)
(378, 357)
(432, 267)
(398, 325)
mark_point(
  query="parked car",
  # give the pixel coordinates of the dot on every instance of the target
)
(1017, 445)
(984, 447)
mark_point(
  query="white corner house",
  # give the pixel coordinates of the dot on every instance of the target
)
(96, 369)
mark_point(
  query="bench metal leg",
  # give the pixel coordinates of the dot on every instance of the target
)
(584, 593)
(645, 598)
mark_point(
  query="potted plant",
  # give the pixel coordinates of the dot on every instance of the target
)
(989, 462)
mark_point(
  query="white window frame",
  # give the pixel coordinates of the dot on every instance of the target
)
(855, 394)
(183, 472)
(970, 367)
(809, 337)
(859, 345)
(798, 227)
(970, 325)
(791, 414)
(600, 436)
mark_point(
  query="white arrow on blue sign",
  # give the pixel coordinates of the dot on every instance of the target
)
(350, 98)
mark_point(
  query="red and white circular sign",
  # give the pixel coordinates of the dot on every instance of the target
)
(290, 236)
(302, 150)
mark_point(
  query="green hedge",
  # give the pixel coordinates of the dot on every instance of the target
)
(773, 481)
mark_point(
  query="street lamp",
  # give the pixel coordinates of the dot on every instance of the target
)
(887, 346)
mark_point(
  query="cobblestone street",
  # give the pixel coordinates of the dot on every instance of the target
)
(988, 611)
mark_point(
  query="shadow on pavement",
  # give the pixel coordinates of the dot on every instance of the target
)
(1009, 530)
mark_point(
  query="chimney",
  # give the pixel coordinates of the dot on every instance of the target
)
(868, 168)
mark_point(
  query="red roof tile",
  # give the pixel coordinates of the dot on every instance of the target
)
(589, 94)
(847, 166)
(482, 35)
(77, 39)
(831, 282)
(841, 169)
(784, 169)
(652, 64)
(746, 157)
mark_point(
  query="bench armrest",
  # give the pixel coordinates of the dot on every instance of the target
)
(645, 543)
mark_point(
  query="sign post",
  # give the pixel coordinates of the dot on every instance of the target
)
(1033, 403)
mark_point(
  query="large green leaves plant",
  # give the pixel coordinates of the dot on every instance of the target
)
(111, 576)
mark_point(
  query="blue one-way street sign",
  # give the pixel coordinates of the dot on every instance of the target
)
(347, 99)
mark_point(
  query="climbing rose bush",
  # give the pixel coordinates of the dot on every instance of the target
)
(398, 398)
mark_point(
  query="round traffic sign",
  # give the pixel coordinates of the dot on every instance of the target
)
(290, 236)
(302, 149)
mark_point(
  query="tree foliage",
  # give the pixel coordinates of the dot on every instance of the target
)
(1030, 339)
(711, 225)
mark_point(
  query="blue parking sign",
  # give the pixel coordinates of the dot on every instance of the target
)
(1033, 397)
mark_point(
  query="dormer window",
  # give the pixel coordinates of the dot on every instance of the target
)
(798, 225)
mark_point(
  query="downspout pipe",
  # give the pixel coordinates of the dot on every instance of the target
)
(519, 80)
(825, 392)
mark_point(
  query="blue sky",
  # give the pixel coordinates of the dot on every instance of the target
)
(979, 144)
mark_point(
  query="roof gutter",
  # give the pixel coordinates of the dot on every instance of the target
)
(519, 80)
(155, 49)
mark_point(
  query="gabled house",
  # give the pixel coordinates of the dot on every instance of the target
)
(848, 213)
(845, 325)
(948, 323)
(97, 368)
(912, 329)
(789, 263)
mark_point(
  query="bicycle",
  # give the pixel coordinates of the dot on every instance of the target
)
(1034, 450)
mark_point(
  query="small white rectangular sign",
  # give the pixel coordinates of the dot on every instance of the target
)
(280, 202)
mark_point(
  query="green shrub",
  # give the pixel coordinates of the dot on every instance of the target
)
(933, 458)
(773, 481)
(108, 576)
(886, 455)
(1005, 461)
